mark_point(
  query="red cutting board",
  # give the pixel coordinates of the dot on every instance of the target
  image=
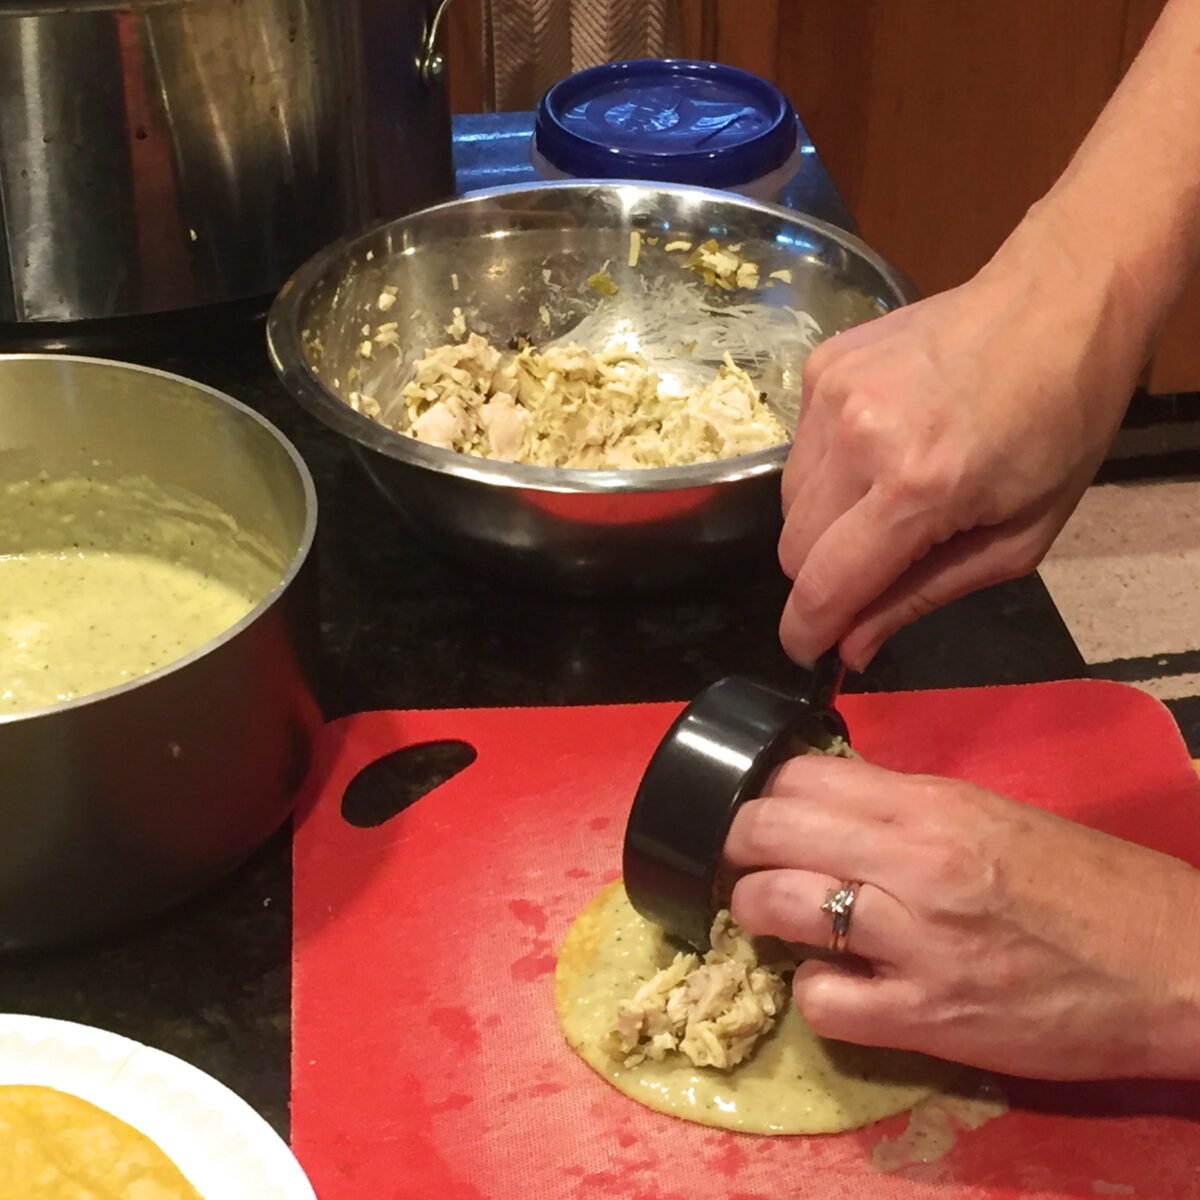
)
(426, 1057)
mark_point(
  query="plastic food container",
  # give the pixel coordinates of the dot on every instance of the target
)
(668, 121)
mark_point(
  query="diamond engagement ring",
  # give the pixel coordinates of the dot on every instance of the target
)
(840, 907)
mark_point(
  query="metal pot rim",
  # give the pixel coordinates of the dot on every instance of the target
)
(286, 348)
(41, 8)
(303, 549)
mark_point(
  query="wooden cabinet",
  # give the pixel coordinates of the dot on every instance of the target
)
(1176, 363)
(942, 121)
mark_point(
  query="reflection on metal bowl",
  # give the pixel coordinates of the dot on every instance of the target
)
(606, 510)
(516, 262)
(115, 803)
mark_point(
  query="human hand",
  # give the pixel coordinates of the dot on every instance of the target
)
(985, 931)
(942, 447)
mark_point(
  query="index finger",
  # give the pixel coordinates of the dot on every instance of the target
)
(850, 565)
(828, 815)
(781, 833)
(819, 409)
(827, 494)
(852, 783)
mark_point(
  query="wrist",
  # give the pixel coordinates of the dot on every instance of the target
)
(1108, 271)
(1173, 1024)
(1079, 297)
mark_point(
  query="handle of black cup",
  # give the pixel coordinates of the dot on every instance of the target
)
(827, 675)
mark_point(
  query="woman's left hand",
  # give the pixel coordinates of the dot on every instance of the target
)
(985, 931)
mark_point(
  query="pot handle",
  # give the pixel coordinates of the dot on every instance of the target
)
(431, 62)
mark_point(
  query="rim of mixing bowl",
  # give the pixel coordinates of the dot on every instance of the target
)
(286, 347)
(297, 561)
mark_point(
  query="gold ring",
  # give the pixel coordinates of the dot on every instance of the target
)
(839, 905)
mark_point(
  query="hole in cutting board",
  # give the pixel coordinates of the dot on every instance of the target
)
(391, 783)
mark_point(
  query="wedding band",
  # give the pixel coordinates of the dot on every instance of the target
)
(840, 907)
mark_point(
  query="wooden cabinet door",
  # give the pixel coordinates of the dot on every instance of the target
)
(940, 121)
(1176, 363)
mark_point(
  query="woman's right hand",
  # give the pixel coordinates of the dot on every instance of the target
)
(942, 447)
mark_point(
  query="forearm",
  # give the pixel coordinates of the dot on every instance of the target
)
(1123, 221)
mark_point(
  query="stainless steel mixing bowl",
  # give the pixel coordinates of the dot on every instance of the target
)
(516, 262)
(120, 802)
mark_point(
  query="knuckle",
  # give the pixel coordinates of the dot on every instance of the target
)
(796, 775)
(819, 360)
(1023, 558)
(791, 557)
(863, 639)
(812, 597)
(795, 644)
(861, 422)
(755, 833)
(915, 605)
(959, 869)
(817, 1006)
(759, 904)
(1007, 975)
(764, 828)
(776, 899)
(922, 482)
(947, 861)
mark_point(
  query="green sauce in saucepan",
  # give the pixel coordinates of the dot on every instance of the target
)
(105, 581)
(77, 622)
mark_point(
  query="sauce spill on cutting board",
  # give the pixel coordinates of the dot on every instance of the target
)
(934, 1127)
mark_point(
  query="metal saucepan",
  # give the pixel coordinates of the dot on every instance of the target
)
(115, 804)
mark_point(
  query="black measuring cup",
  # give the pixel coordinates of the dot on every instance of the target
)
(718, 753)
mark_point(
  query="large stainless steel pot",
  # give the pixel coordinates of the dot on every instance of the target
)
(116, 804)
(162, 154)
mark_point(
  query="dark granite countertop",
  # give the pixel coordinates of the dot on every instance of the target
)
(210, 981)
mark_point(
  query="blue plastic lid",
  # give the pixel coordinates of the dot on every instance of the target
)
(668, 120)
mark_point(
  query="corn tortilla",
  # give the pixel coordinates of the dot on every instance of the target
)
(54, 1146)
(795, 1083)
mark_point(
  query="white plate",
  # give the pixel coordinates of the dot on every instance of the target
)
(226, 1150)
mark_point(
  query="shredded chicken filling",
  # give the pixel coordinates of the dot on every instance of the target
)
(723, 267)
(570, 407)
(713, 1010)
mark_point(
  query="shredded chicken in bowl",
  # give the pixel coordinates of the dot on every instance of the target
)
(569, 407)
